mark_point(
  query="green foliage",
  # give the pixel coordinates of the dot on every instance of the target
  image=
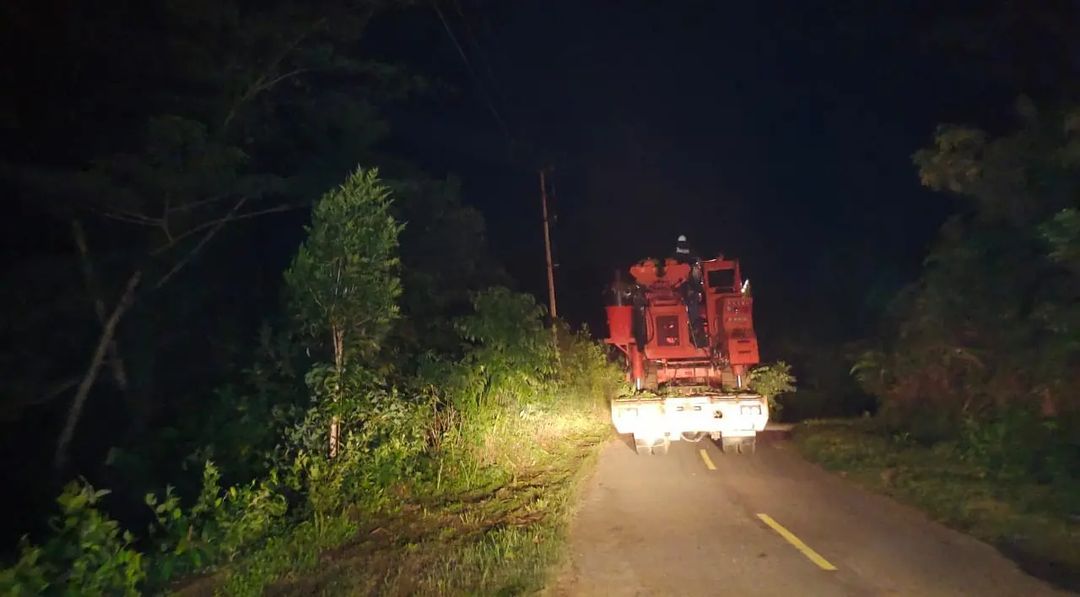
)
(86, 554)
(219, 527)
(771, 381)
(585, 370)
(343, 279)
(217, 114)
(242, 425)
(444, 260)
(1018, 444)
(389, 438)
(474, 414)
(510, 351)
(225, 122)
(1021, 178)
(871, 370)
(989, 333)
(383, 438)
(1062, 234)
(296, 550)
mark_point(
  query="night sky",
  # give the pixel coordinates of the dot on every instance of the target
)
(780, 133)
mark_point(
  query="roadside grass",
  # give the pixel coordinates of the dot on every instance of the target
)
(493, 530)
(1035, 524)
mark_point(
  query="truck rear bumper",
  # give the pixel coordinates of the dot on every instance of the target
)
(727, 415)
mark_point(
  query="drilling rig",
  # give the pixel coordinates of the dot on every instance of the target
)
(685, 327)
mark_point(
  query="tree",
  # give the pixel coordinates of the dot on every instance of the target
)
(344, 282)
(1020, 178)
(990, 328)
(445, 260)
(146, 128)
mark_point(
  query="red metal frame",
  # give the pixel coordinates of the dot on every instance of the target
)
(669, 351)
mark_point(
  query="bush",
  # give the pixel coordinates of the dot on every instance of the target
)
(87, 553)
(585, 371)
(1019, 444)
(770, 381)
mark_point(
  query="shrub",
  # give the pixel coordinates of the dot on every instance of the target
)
(219, 527)
(1018, 443)
(86, 554)
(585, 371)
(772, 380)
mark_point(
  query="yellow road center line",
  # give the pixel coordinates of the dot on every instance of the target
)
(708, 461)
(814, 556)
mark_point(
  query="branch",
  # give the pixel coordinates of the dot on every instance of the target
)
(230, 217)
(119, 374)
(132, 219)
(271, 83)
(107, 334)
(261, 84)
(194, 204)
(202, 242)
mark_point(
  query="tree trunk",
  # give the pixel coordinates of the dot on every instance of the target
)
(115, 362)
(339, 369)
(108, 332)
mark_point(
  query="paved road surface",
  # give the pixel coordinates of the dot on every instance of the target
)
(668, 525)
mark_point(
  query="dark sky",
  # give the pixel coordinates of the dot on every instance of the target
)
(778, 132)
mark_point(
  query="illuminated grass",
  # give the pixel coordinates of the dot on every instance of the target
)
(503, 541)
(494, 529)
(1037, 525)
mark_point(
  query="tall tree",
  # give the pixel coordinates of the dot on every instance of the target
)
(992, 323)
(343, 282)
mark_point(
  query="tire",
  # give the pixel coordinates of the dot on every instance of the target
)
(693, 437)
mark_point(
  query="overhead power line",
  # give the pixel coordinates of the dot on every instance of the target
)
(472, 72)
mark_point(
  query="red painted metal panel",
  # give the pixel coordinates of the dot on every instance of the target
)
(662, 309)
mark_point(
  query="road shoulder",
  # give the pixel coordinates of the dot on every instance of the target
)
(1030, 524)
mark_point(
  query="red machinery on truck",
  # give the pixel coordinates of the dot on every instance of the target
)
(686, 328)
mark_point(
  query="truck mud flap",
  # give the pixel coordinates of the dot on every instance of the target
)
(646, 447)
(738, 445)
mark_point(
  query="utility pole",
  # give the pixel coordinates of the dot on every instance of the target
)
(547, 251)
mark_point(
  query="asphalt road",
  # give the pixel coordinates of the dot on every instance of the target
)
(671, 525)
